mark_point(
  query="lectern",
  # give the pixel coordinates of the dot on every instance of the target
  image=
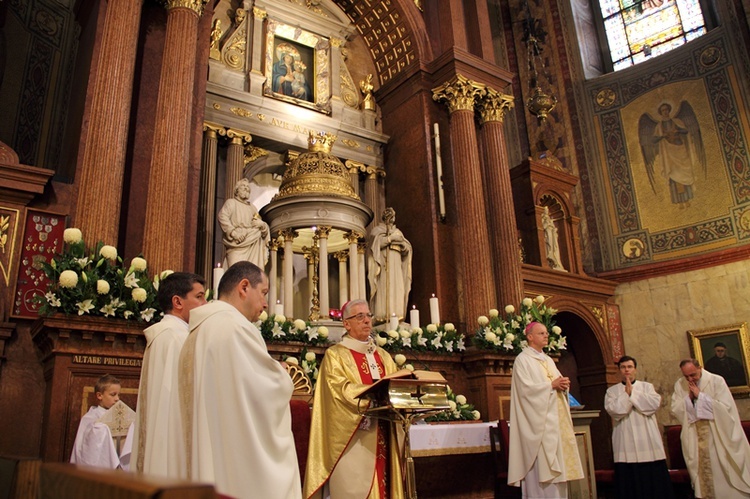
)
(405, 398)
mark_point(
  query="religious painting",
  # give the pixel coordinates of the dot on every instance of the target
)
(297, 67)
(724, 351)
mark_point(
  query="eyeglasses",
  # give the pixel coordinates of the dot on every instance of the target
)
(359, 317)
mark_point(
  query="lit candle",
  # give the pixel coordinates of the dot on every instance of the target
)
(414, 317)
(278, 308)
(394, 322)
(218, 273)
(434, 310)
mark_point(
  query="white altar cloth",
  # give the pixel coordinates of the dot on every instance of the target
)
(450, 438)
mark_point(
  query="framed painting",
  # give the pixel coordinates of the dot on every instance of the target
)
(724, 351)
(297, 66)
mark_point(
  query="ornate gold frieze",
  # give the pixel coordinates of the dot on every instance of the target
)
(194, 5)
(459, 93)
(216, 105)
(252, 153)
(239, 111)
(493, 105)
(351, 143)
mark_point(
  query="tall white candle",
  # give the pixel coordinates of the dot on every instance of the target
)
(439, 171)
(278, 308)
(218, 273)
(394, 322)
(414, 317)
(434, 310)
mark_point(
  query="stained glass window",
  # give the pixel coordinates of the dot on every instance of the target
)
(638, 29)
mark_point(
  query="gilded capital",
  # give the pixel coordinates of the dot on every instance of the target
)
(288, 235)
(336, 42)
(361, 247)
(493, 105)
(353, 236)
(274, 244)
(259, 13)
(194, 5)
(214, 128)
(459, 93)
(341, 256)
(239, 136)
(323, 231)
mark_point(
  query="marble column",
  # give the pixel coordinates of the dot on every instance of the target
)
(235, 159)
(164, 231)
(499, 198)
(474, 253)
(273, 272)
(287, 288)
(353, 238)
(207, 200)
(310, 257)
(362, 281)
(353, 167)
(325, 305)
(343, 257)
(372, 193)
(102, 166)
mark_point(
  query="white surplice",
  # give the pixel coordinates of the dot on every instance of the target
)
(157, 426)
(94, 445)
(542, 444)
(234, 401)
(635, 437)
(724, 442)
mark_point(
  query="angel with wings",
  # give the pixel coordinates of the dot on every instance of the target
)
(675, 142)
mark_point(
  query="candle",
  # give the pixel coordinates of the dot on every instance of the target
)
(414, 317)
(278, 308)
(434, 310)
(218, 273)
(394, 322)
(439, 171)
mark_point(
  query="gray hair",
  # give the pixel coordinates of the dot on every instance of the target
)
(348, 305)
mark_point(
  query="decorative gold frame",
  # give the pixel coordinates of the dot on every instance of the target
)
(737, 341)
(278, 33)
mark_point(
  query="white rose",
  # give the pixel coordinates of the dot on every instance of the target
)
(539, 299)
(68, 279)
(165, 273)
(527, 302)
(417, 330)
(449, 326)
(452, 404)
(323, 332)
(490, 337)
(494, 312)
(393, 334)
(556, 329)
(263, 316)
(139, 294)
(460, 399)
(102, 287)
(300, 324)
(409, 367)
(432, 328)
(483, 320)
(138, 263)
(510, 337)
(108, 252)
(400, 359)
(279, 318)
(476, 415)
(405, 334)
(381, 341)
(310, 356)
(292, 360)
(72, 235)
(509, 309)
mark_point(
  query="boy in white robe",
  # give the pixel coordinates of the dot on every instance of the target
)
(157, 414)
(234, 397)
(543, 451)
(94, 445)
(714, 444)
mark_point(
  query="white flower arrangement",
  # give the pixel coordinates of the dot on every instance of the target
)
(281, 329)
(438, 338)
(460, 410)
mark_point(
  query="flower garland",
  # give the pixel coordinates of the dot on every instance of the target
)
(94, 281)
(461, 410)
(278, 329)
(507, 335)
(438, 338)
(309, 364)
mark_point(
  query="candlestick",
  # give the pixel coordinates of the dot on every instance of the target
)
(278, 308)
(434, 310)
(218, 273)
(414, 317)
(394, 322)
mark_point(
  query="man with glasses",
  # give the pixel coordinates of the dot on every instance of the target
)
(351, 456)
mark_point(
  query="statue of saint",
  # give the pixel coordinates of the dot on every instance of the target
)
(246, 235)
(214, 52)
(389, 264)
(550, 241)
(368, 101)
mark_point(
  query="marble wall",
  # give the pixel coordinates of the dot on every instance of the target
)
(657, 313)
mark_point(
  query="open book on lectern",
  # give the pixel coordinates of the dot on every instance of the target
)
(404, 389)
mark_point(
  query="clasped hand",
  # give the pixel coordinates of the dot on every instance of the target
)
(561, 383)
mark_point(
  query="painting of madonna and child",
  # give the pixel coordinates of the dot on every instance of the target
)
(291, 75)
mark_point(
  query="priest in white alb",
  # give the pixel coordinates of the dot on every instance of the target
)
(157, 419)
(543, 451)
(714, 445)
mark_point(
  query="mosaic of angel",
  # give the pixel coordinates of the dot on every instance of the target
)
(674, 143)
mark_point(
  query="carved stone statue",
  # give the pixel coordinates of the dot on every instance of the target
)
(551, 242)
(214, 52)
(389, 264)
(368, 101)
(246, 235)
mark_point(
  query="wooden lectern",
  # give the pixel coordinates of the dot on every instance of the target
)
(405, 398)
